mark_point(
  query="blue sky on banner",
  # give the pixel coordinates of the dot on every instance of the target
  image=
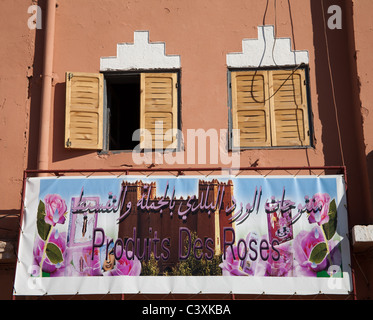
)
(296, 188)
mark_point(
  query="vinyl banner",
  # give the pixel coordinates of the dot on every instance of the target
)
(186, 234)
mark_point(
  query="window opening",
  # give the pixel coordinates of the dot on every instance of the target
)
(123, 110)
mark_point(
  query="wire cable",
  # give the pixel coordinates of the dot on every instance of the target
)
(332, 83)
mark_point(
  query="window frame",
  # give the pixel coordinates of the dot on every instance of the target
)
(304, 67)
(106, 110)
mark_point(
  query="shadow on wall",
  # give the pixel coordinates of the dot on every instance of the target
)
(34, 93)
(339, 68)
(370, 173)
(337, 64)
(9, 224)
(339, 104)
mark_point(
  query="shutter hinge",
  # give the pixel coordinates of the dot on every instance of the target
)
(68, 143)
(177, 85)
(70, 76)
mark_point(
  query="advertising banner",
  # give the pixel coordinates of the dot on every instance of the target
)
(186, 234)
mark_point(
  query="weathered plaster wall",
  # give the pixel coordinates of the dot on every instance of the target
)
(16, 70)
(203, 37)
(202, 33)
(17, 85)
(363, 38)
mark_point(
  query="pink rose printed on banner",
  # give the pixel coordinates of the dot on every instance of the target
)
(305, 242)
(126, 267)
(315, 251)
(50, 245)
(313, 254)
(231, 265)
(117, 263)
(57, 242)
(320, 211)
(55, 209)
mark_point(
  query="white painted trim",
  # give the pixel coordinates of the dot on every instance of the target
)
(266, 51)
(140, 55)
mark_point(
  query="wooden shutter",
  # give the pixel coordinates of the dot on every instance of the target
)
(250, 108)
(84, 111)
(289, 111)
(158, 109)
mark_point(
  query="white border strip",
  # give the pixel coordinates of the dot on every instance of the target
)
(27, 285)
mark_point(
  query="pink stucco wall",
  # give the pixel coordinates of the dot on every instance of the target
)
(16, 56)
(202, 36)
(202, 33)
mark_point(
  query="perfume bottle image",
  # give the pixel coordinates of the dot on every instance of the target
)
(79, 262)
(82, 224)
(279, 218)
(80, 237)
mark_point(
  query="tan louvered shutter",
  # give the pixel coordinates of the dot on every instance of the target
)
(289, 111)
(84, 111)
(158, 110)
(250, 108)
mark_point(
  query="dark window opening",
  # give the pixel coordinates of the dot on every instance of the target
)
(123, 111)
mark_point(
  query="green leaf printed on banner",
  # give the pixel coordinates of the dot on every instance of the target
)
(54, 253)
(318, 253)
(42, 226)
(331, 227)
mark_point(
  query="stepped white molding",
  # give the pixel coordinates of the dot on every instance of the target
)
(140, 55)
(266, 51)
